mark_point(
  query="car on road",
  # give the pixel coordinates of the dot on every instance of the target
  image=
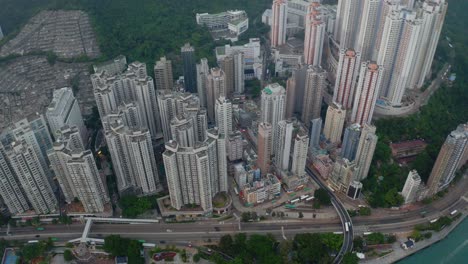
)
(37, 236)
(162, 242)
(164, 255)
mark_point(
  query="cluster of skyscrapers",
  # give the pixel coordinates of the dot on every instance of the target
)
(31, 160)
(373, 51)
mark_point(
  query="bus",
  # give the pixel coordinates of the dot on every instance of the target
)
(347, 226)
(236, 191)
(454, 212)
(149, 245)
(33, 241)
(434, 220)
(309, 199)
(367, 233)
(142, 241)
(40, 229)
(303, 197)
(338, 233)
(295, 201)
(290, 206)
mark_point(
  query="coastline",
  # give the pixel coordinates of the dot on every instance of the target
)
(399, 254)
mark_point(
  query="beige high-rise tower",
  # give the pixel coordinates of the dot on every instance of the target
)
(163, 74)
(227, 66)
(448, 160)
(334, 123)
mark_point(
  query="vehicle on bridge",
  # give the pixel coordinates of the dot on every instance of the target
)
(347, 226)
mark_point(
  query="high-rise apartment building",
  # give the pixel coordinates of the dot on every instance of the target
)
(367, 91)
(346, 77)
(387, 6)
(448, 160)
(315, 131)
(348, 16)
(223, 113)
(264, 146)
(279, 22)
(76, 171)
(32, 131)
(134, 85)
(411, 188)
(368, 28)
(299, 155)
(334, 122)
(405, 61)
(235, 146)
(190, 71)
(207, 176)
(10, 187)
(133, 158)
(343, 174)
(68, 142)
(316, 82)
(273, 105)
(88, 183)
(33, 179)
(290, 95)
(185, 105)
(183, 130)
(365, 151)
(282, 152)
(216, 87)
(389, 48)
(227, 65)
(64, 110)
(202, 72)
(432, 15)
(239, 77)
(314, 35)
(350, 141)
(163, 77)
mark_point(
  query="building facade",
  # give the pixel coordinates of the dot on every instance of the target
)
(64, 110)
(316, 82)
(334, 122)
(163, 78)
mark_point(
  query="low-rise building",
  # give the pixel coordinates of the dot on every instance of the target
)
(263, 190)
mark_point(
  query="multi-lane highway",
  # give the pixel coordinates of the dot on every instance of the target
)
(346, 223)
(213, 230)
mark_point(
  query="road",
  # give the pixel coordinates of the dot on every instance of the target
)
(344, 217)
(400, 221)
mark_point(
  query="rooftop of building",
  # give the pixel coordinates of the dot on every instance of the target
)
(408, 144)
(274, 88)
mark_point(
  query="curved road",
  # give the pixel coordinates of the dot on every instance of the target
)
(344, 217)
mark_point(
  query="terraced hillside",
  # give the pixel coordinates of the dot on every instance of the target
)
(27, 83)
(67, 33)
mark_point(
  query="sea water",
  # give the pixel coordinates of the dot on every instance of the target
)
(451, 250)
